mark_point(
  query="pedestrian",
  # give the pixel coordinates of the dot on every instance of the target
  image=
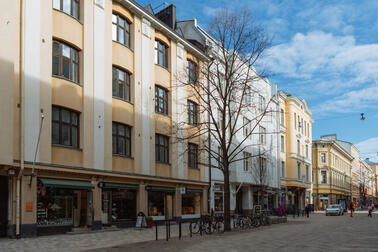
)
(351, 209)
(369, 211)
(307, 209)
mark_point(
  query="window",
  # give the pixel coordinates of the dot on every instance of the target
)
(282, 144)
(246, 127)
(121, 139)
(192, 113)
(161, 100)
(262, 164)
(120, 30)
(324, 177)
(323, 157)
(299, 170)
(282, 169)
(246, 160)
(247, 95)
(261, 103)
(192, 155)
(298, 147)
(307, 178)
(121, 84)
(219, 157)
(161, 54)
(262, 135)
(306, 151)
(65, 61)
(301, 125)
(282, 117)
(65, 127)
(295, 120)
(70, 7)
(192, 72)
(161, 148)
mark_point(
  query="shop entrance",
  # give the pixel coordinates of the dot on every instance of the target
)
(239, 202)
(3, 205)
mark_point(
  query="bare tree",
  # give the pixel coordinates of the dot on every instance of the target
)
(228, 95)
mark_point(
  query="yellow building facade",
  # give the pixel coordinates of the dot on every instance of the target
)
(90, 102)
(295, 150)
(332, 166)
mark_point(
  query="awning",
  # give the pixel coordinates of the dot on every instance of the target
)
(190, 190)
(67, 183)
(161, 189)
(120, 186)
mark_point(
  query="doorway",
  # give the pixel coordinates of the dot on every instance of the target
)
(3, 205)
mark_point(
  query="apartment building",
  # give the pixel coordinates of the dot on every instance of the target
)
(260, 149)
(295, 150)
(89, 103)
(374, 168)
(332, 162)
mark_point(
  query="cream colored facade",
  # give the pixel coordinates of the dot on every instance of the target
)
(332, 164)
(374, 169)
(295, 156)
(30, 90)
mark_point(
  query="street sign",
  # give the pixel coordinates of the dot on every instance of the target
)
(313, 194)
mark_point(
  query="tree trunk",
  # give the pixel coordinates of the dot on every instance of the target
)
(227, 217)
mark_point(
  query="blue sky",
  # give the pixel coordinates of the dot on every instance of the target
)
(323, 51)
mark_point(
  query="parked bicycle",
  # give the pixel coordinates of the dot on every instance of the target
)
(207, 224)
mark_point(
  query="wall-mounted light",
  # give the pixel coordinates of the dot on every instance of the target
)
(11, 172)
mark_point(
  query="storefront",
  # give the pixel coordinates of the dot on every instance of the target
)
(63, 204)
(218, 198)
(119, 204)
(160, 202)
(191, 203)
(3, 205)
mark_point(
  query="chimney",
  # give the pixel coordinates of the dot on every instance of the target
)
(168, 16)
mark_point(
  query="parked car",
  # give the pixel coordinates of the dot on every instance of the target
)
(335, 209)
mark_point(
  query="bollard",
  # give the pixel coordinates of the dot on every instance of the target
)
(166, 231)
(156, 230)
(180, 230)
(190, 229)
(200, 227)
(169, 229)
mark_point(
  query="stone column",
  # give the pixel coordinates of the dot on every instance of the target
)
(142, 199)
(177, 202)
(28, 207)
(204, 209)
(97, 220)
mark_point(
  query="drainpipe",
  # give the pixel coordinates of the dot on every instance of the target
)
(20, 173)
(209, 138)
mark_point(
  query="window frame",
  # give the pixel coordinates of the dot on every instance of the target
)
(164, 147)
(126, 30)
(158, 50)
(299, 170)
(262, 132)
(73, 52)
(282, 143)
(126, 137)
(192, 156)
(283, 168)
(246, 160)
(60, 123)
(325, 157)
(159, 100)
(71, 8)
(126, 84)
(323, 179)
(192, 69)
(192, 114)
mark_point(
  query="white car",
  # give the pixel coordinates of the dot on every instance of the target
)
(335, 209)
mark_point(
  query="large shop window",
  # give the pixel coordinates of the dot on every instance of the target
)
(121, 30)
(193, 156)
(192, 72)
(162, 148)
(161, 100)
(65, 61)
(121, 139)
(54, 206)
(121, 84)
(192, 113)
(161, 54)
(65, 127)
(70, 7)
(218, 201)
(191, 203)
(118, 205)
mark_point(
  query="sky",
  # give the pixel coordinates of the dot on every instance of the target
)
(323, 51)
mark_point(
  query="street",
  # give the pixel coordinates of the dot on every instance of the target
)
(318, 233)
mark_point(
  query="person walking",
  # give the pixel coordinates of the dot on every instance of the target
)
(369, 210)
(307, 209)
(351, 209)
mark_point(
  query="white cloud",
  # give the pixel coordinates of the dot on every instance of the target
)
(369, 149)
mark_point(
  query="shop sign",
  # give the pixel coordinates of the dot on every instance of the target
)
(313, 194)
(183, 190)
(29, 206)
(218, 188)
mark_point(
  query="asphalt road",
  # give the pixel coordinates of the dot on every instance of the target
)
(318, 233)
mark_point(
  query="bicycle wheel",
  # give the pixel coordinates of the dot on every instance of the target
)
(195, 227)
(208, 228)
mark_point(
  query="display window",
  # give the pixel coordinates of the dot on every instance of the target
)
(218, 202)
(54, 206)
(191, 203)
(156, 203)
(119, 205)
